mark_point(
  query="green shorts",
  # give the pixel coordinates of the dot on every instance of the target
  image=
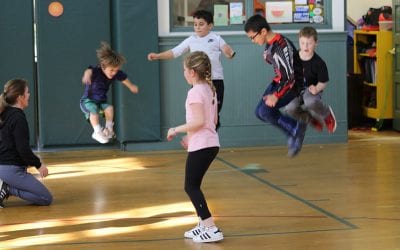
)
(90, 106)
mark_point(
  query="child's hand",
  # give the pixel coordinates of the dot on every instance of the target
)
(184, 142)
(87, 77)
(270, 100)
(313, 89)
(171, 134)
(152, 56)
(134, 89)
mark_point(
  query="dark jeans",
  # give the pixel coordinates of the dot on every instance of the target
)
(273, 115)
(197, 164)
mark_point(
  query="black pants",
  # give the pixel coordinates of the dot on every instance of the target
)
(197, 164)
(219, 88)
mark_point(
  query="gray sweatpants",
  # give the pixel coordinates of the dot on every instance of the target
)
(24, 185)
(307, 106)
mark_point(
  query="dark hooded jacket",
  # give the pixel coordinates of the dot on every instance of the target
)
(14, 139)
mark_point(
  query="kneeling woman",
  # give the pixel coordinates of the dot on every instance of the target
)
(15, 152)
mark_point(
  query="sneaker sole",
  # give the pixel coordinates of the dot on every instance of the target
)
(94, 138)
(219, 238)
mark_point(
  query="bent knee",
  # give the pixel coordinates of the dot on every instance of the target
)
(290, 111)
(46, 201)
(109, 108)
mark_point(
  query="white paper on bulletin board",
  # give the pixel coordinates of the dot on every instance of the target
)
(236, 12)
(220, 15)
(279, 12)
(297, 2)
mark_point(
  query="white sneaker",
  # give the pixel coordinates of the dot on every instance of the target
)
(108, 133)
(210, 234)
(194, 231)
(100, 137)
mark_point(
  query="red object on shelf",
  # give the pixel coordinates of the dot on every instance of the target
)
(370, 27)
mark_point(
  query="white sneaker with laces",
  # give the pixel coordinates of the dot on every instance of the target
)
(194, 231)
(100, 137)
(209, 234)
(108, 133)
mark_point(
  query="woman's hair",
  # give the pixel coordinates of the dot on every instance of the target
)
(12, 89)
(108, 57)
(200, 63)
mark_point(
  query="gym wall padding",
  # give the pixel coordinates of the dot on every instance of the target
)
(17, 51)
(135, 34)
(66, 46)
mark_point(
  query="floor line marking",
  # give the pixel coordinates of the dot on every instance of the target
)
(293, 196)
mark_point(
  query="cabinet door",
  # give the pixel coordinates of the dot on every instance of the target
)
(396, 67)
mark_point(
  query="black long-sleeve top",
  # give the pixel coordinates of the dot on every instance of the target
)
(14, 139)
(282, 54)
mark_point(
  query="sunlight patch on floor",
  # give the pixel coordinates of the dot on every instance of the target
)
(146, 212)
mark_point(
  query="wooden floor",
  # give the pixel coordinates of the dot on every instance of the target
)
(341, 196)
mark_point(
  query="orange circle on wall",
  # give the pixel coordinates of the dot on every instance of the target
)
(56, 9)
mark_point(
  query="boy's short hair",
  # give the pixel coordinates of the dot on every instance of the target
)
(256, 23)
(206, 15)
(309, 32)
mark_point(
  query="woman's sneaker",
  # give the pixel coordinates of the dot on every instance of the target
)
(194, 231)
(4, 193)
(210, 234)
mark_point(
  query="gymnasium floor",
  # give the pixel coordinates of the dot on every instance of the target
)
(336, 196)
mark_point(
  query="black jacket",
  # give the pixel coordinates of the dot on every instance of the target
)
(14, 139)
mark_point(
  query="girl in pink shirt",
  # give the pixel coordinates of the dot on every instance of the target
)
(201, 141)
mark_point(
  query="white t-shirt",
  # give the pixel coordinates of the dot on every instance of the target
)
(210, 44)
(206, 136)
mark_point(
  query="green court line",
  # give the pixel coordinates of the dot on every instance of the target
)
(293, 196)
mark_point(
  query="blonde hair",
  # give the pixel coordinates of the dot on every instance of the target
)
(200, 63)
(308, 32)
(108, 57)
(12, 89)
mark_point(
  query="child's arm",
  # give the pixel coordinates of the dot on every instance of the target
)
(315, 89)
(132, 87)
(160, 56)
(228, 51)
(195, 124)
(87, 76)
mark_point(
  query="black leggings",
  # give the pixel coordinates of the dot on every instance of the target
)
(219, 89)
(197, 164)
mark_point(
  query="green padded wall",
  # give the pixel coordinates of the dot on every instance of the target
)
(16, 49)
(66, 46)
(135, 34)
